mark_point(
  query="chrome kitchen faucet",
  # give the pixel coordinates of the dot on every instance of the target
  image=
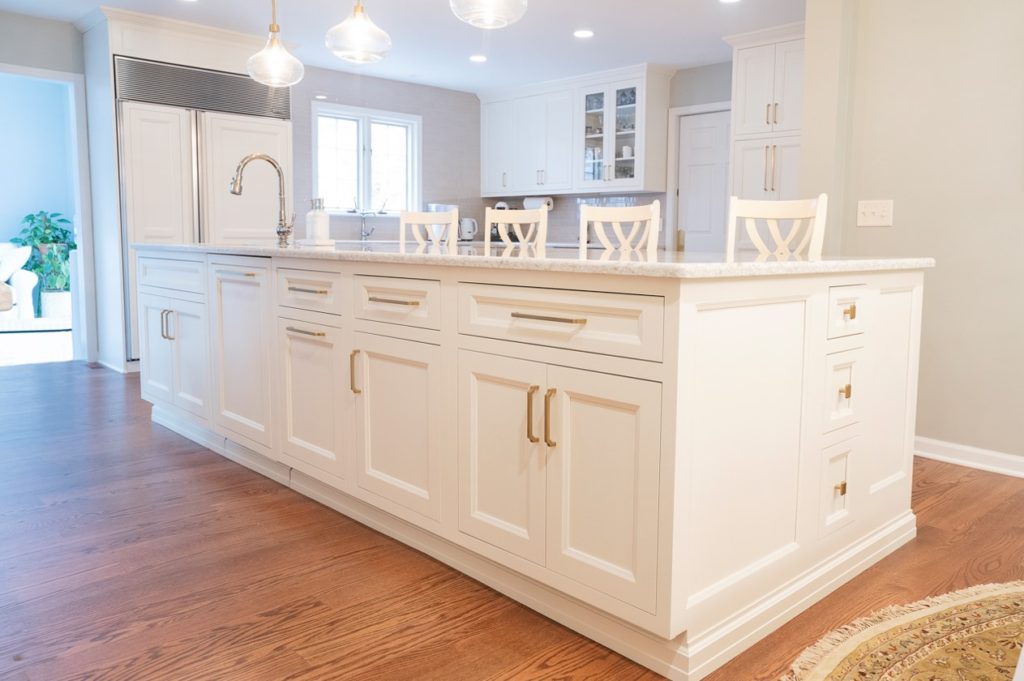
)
(284, 227)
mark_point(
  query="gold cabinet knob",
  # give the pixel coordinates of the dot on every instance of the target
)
(841, 489)
(851, 312)
(846, 391)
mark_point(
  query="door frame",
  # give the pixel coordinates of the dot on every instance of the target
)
(675, 114)
(83, 272)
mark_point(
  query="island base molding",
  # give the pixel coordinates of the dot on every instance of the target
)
(686, 658)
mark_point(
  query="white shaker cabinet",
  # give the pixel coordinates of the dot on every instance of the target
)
(240, 298)
(768, 88)
(313, 397)
(561, 466)
(497, 147)
(397, 386)
(766, 169)
(174, 334)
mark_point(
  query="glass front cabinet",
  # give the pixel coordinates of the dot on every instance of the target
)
(611, 132)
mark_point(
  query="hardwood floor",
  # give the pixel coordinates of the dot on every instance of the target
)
(127, 552)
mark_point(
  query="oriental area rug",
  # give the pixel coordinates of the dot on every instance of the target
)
(970, 635)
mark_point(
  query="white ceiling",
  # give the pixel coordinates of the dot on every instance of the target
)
(432, 46)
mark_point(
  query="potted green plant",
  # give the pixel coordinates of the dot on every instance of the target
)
(52, 241)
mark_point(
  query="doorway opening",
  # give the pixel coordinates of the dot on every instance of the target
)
(44, 218)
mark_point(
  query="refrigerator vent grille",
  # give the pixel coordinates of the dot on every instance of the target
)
(192, 88)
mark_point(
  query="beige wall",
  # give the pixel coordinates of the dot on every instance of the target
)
(936, 122)
(701, 85)
(451, 141)
(40, 43)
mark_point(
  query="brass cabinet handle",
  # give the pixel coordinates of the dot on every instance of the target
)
(167, 333)
(846, 391)
(841, 488)
(504, 179)
(775, 116)
(352, 373)
(163, 324)
(392, 301)
(851, 312)
(529, 414)
(768, 113)
(547, 418)
(543, 318)
(315, 291)
(766, 149)
(250, 274)
(316, 334)
(774, 164)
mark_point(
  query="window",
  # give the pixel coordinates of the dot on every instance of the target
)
(366, 160)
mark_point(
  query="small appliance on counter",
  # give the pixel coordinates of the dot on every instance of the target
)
(468, 229)
(500, 205)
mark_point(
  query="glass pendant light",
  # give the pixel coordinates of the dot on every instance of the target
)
(489, 13)
(358, 39)
(274, 65)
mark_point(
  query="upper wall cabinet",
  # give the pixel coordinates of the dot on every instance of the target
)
(600, 133)
(768, 89)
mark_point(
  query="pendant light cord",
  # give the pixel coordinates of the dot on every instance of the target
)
(274, 28)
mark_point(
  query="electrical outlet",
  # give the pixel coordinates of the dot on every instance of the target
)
(874, 213)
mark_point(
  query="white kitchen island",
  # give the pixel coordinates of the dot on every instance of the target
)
(672, 458)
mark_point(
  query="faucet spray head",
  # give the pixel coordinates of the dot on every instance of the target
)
(236, 184)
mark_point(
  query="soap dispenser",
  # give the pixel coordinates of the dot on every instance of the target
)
(318, 225)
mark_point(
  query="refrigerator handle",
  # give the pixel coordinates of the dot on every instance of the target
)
(197, 220)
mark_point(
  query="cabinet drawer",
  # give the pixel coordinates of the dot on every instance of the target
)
(608, 323)
(843, 371)
(846, 310)
(836, 480)
(411, 302)
(308, 290)
(168, 273)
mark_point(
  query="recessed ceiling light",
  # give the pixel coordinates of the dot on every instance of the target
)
(584, 33)
(478, 59)
(320, 97)
(728, 2)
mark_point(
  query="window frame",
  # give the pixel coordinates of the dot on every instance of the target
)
(364, 118)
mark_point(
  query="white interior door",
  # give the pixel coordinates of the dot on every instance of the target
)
(225, 139)
(501, 469)
(704, 180)
(159, 191)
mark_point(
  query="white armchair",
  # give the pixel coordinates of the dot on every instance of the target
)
(21, 282)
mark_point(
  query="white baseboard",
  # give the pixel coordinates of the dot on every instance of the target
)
(972, 457)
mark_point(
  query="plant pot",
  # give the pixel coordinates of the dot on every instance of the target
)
(55, 304)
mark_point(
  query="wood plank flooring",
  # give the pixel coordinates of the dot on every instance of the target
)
(127, 552)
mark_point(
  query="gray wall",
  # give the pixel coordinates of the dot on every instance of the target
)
(701, 85)
(40, 43)
(451, 141)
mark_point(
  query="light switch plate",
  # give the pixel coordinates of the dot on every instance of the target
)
(874, 213)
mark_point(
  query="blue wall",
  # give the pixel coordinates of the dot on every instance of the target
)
(36, 154)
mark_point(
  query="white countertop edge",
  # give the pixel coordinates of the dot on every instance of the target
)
(677, 270)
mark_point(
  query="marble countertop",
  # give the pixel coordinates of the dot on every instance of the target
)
(666, 264)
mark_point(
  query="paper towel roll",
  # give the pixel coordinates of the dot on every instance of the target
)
(535, 202)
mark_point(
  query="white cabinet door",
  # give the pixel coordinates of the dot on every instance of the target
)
(557, 168)
(157, 367)
(240, 315)
(625, 118)
(497, 121)
(789, 87)
(591, 134)
(785, 183)
(225, 140)
(189, 328)
(751, 169)
(313, 394)
(398, 421)
(159, 191)
(530, 140)
(754, 90)
(501, 454)
(603, 478)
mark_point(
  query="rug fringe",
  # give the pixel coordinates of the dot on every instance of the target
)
(811, 657)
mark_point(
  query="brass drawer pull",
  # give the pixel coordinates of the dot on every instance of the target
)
(841, 489)
(850, 312)
(315, 291)
(547, 418)
(316, 334)
(529, 414)
(542, 318)
(392, 301)
(846, 391)
(352, 373)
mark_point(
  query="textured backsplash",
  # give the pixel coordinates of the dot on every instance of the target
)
(564, 220)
